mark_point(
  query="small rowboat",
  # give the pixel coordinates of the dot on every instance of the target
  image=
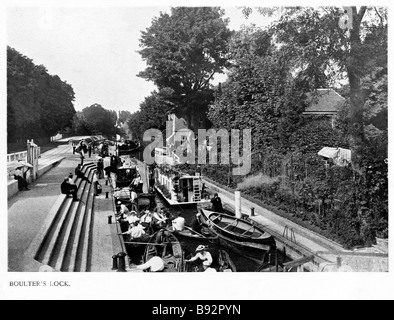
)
(165, 245)
(237, 229)
(240, 236)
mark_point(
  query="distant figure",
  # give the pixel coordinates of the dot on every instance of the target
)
(100, 168)
(133, 198)
(90, 149)
(196, 224)
(204, 256)
(74, 146)
(154, 264)
(137, 183)
(216, 203)
(20, 176)
(159, 218)
(95, 183)
(67, 188)
(147, 220)
(80, 174)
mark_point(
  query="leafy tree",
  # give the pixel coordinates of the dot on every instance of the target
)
(183, 51)
(38, 104)
(95, 120)
(260, 94)
(124, 116)
(153, 113)
(314, 39)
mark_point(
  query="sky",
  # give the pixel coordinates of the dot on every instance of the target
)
(94, 49)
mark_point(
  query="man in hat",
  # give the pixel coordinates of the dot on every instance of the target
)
(136, 230)
(203, 255)
(18, 175)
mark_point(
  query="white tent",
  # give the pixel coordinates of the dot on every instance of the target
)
(340, 156)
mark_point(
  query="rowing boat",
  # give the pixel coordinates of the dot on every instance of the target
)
(239, 235)
(165, 245)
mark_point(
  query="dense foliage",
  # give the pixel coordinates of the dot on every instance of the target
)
(95, 120)
(38, 104)
(183, 52)
(272, 71)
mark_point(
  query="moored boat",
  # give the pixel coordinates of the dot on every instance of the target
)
(190, 239)
(178, 188)
(240, 236)
(165, 245)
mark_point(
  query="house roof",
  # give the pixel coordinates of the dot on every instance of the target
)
(324, 101)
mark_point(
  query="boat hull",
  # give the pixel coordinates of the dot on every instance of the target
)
(238, 230)
(256, 252)
(167, 246)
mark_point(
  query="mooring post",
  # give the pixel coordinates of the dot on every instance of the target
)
(238, 213)
(122, 262)
(109, 219)
(106, 195)
(114, 262)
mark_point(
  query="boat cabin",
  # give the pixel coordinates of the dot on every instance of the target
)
(125, 175)
(180, 189)
(164, 156)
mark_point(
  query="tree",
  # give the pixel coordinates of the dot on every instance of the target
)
(317, 38)
(38, 104)
(152, 114)
(183, 51)
(95, 120)
(261, 93)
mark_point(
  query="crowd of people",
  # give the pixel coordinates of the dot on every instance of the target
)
(137, 227)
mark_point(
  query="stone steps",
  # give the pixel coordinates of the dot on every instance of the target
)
(65, 244)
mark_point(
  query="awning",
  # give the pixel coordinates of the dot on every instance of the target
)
(340, 156)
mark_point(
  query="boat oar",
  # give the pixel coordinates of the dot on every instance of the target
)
(147, 243)
(192, 231)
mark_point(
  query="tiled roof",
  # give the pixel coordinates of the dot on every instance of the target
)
(324, 101)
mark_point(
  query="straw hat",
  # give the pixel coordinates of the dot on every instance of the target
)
(200, 248)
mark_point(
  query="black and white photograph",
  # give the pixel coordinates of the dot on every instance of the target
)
(195, 150)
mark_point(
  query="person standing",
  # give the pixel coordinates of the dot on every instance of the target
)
(73, 145)
(20, 176)
(90, 149)
(100, 168)
(217, 203)
(95, 183)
